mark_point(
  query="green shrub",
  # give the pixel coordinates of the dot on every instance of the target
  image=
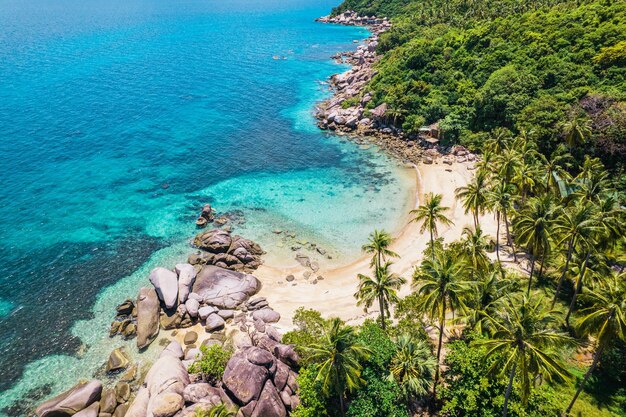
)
(212, 363)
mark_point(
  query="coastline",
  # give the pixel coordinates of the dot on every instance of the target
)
(334, 287)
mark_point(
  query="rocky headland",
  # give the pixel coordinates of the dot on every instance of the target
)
(347, 111)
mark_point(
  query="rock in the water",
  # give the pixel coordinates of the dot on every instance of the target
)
(243, 379)
(126, 308)
(166, 284)
(122, 392)
(223, 288)
(173, 349)
(214, 241)
(191, 337)
(186, 277)
(72, 401)
(214, 322)
(147, 317)
(192, 307)
(269, 403)
(108, 401)
(118, 360)
(267, 315)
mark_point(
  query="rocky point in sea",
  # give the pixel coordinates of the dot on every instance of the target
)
(207, 301)
(365, 123)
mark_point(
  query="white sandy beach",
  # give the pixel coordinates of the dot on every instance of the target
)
(333, 296)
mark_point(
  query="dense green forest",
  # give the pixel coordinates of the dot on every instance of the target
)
(530, 322)
(550, 68)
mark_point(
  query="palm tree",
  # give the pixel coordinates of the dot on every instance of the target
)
(474, 249)
(605, 319)
(381, 287)
(554, 169)
(499, 140)
(577, 131)
(500, 201)
(524, 179)
(585, 254)
(534, 229)
(412, 367)
(473, 196)
(575, 224)
(490, 289)
(439, 283)
(340, 357)
(378, 245)
(524, 340)
(431, 213)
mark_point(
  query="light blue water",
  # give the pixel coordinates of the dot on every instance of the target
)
(119, 119)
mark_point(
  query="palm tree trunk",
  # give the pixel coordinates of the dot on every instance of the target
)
(543, 259)
(476, 219)
(508, 236)
(442, 323)
(570, 248)
(432, 244)
(596, 358)
(507, 394)
(382, 311)
(341, 404)
(498, 236)
(579, 286)
(532, 270)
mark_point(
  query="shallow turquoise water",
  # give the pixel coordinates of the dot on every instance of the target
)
(119, 119)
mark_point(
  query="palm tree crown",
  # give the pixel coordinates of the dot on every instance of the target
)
(431, 213)
(412, 366)
(378, 245)
(381, 287)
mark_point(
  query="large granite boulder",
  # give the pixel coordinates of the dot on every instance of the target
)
(192, 307)
(173, 349)
(243, 379)
(165, 383)
(194, 393)
(214, 241)
(72, 401)
(186, 277)
(166, 404)
(166, 284)
(139, 406)
(287, 354)
(147, 317)
(267, 315)
(269, 403)
(224, 288)
(214, 322)
(91, 411)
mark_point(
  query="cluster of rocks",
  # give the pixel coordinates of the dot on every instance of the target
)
(125, 322)
(217, 247)
(206, 216)
(352, 18)
(455, 154)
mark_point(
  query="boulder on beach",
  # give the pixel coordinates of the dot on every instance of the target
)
(243, 379)
(214, 322)
(147, 317)
(186, 277)
(224, 288)
(173, 349)
(166, 284)
(77, 398)
(269, 403)
(192, 307)
(267, 315)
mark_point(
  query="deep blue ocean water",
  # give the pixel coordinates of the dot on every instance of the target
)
(119, 119)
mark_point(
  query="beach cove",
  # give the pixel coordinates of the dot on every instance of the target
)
(121, 181)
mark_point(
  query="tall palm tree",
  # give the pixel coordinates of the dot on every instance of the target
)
(501, 202)
(525, 179)
(474, 249)
(440, 284)
(381, 287)
(412, 367)
(585, 255)
(474, 195)
(534, 229)
(378, 245)
(605, 319)
(490, 289)
(578, 223)
(555, 172)
(499, 140)
(524, 340)
(577, 130)
(431, 213)
(340, 357)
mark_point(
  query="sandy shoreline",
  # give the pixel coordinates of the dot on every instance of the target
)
(333, 296)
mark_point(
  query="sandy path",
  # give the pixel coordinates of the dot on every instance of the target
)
(334, 295)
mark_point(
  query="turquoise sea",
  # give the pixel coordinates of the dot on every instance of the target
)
(119, 119)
